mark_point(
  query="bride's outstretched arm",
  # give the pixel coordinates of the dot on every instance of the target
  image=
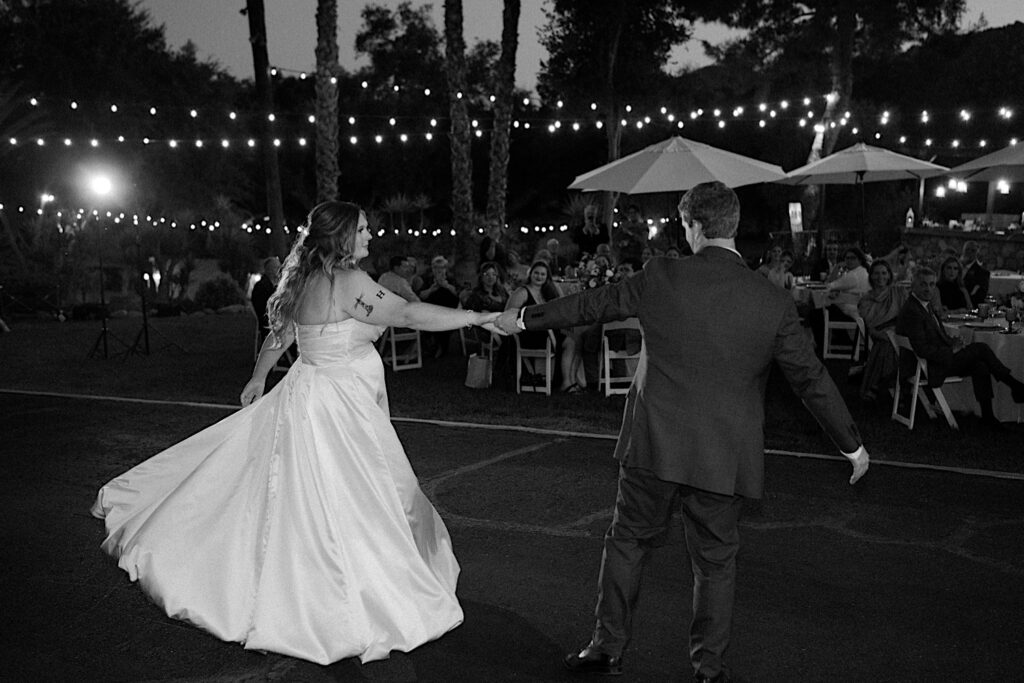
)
(270, 352)
(365, 300)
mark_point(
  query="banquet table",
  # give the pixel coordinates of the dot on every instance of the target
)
(1002, 285)
(814, 293)
(1009, 348)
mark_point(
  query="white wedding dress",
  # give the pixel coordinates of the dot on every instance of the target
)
(295, 525)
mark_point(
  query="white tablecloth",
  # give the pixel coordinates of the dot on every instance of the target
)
(1001, 285)
(1009, 348)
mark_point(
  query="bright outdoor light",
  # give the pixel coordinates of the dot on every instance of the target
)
(100, 185)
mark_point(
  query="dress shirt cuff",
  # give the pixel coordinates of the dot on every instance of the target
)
(855, 454)
(520, 323)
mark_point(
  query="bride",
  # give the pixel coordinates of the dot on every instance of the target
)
(296, 525)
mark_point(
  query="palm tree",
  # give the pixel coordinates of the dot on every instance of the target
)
(455, 71)
(326, 100)
(498, 178)
(264, 104)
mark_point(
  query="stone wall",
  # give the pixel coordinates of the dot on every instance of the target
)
(997, 251)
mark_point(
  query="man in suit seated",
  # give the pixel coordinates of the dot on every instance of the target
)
(918, 321)
(975, 275)
(693, 426)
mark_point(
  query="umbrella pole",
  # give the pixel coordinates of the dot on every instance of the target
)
(863, 211)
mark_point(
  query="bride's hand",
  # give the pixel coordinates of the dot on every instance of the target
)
(491, 327)
(252, 391)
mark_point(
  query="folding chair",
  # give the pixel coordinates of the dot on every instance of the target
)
(618, 384)
(834, 350)
(402, 348)
(916, 385)
(547, 354)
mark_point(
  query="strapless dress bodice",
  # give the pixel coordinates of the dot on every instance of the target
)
(337, 342)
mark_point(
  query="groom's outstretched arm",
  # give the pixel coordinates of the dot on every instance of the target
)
(609, 302)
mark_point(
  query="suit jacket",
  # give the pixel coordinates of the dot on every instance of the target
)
(712, 327)
(976, 283)
(928, 338)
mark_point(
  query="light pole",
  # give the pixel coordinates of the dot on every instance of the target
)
(100, 187)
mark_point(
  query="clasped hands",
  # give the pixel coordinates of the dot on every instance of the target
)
(503, 324)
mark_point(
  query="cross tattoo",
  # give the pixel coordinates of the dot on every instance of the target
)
(380, 293)
(367, 307)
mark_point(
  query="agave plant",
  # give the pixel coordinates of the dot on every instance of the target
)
(400, 204)
(421, 203)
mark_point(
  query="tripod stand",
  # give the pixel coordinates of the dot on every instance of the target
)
(101, 338)
(141, 343)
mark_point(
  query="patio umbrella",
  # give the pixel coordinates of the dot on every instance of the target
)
(1005, 164)
(861, 164)
(675, 165)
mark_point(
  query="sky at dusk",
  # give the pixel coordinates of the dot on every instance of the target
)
(220, 32)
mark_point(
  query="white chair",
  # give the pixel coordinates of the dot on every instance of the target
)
(854, 327)
(402, 348)
(547, 354)
(916, 385)
(617, 383)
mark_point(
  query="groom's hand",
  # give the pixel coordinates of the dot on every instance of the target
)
(859, 459)
(506, 322)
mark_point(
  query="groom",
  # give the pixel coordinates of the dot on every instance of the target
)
(692, 430)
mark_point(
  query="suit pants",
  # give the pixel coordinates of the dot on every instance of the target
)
(978, 362)
(643, 511)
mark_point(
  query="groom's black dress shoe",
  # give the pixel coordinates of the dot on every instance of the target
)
(587, 661)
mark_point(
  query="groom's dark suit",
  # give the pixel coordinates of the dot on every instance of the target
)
(692, 430)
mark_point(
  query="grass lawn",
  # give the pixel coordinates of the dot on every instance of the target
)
(48, 356)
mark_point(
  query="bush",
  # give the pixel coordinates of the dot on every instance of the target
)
(219, 292)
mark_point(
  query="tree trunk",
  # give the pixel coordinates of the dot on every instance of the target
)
(825, 136)
(498, 177)
(613, 127)
(462, 163)
(265, 106)
(326, 100)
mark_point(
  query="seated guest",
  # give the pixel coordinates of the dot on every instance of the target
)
(844, 292)
(415, 279)
(851, 283)
(946, 355)
(490, 293)
(556, 260)
(828, 266)
(952, 294)
(776, 267)
(900, 262)
(517, 270)
(591, 233)
(396, 279)
(440, 289)
(537, 289)
(492, 249)
(975, 275)
(630, 236)
(879, 309)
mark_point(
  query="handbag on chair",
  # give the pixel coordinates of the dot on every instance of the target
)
(478, 372)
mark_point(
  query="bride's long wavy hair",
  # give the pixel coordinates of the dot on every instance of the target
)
(326, 242)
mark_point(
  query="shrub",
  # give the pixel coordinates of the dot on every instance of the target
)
(219, 292)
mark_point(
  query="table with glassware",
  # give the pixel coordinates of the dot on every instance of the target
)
(1004, 285)
(813, 293)
(1008, 347)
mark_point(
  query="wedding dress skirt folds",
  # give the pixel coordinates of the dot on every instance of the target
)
(296, 525)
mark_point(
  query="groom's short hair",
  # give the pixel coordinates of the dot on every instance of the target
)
(715, 206)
